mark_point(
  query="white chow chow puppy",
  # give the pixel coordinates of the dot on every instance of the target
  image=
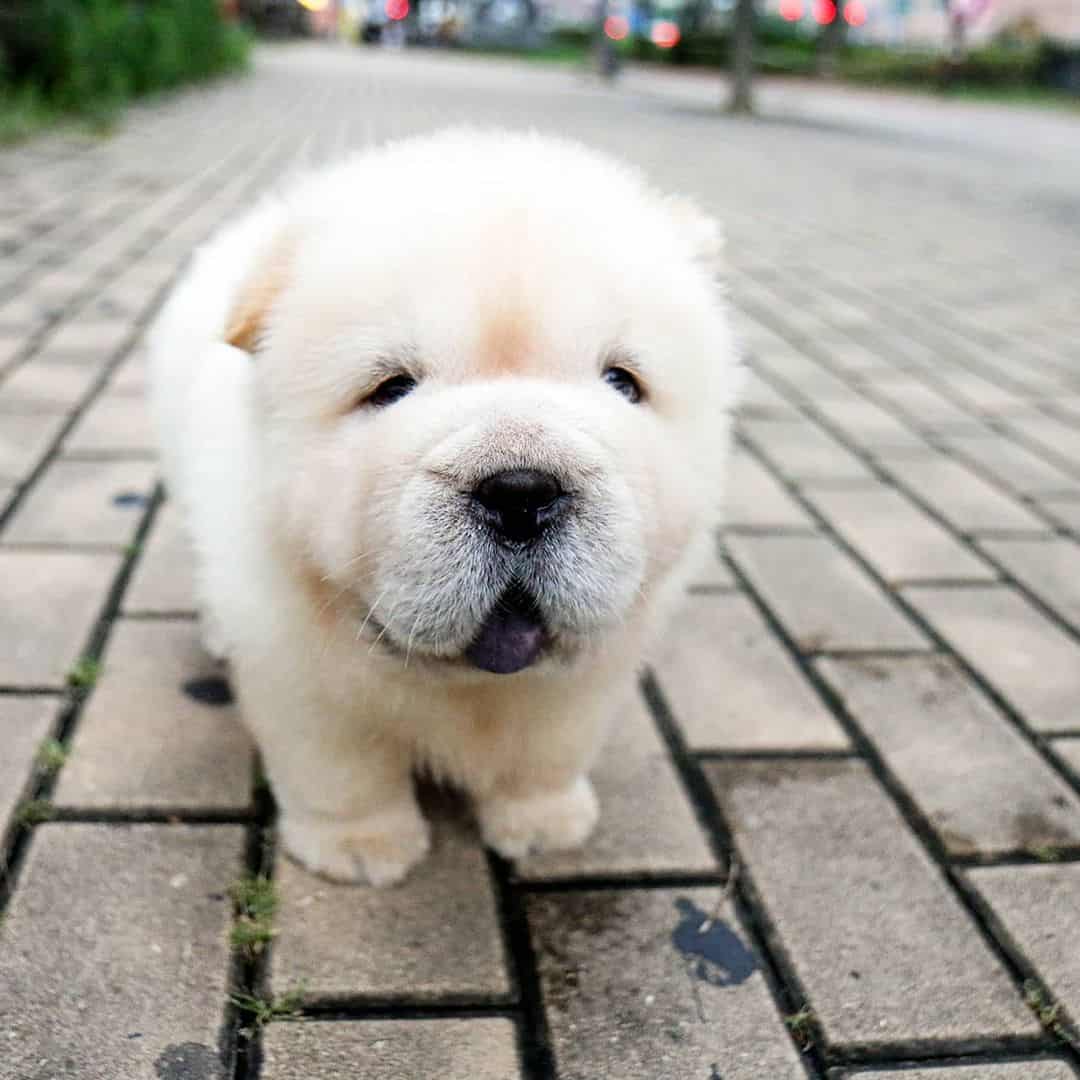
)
(447, 423)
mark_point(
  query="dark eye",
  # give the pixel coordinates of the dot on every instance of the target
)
(386, 393)
(626, 384)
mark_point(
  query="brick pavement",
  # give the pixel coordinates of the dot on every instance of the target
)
(843, 821)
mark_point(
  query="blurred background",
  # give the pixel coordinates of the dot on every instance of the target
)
(89, 56)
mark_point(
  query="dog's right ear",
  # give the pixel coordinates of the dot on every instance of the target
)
(245, 326)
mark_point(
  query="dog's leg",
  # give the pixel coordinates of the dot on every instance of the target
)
(344, 792)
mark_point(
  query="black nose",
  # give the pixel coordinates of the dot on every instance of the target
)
(520, 504)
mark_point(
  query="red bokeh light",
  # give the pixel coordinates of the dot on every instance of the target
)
(397, 9)
(665, 34)
(855, 13)
(824, 12)
(617, 27)
(792, 10)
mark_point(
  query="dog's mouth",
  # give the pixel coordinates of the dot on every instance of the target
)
(513, 635)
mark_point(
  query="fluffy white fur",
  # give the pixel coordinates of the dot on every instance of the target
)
(342, 568)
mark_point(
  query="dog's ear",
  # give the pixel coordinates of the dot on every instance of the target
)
(701, 232)
(246, 323)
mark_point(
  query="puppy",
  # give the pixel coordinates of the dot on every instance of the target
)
(447, 423)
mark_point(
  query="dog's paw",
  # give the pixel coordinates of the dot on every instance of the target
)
(379, 850)
(550, 821)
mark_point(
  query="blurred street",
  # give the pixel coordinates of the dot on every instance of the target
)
(841, 827)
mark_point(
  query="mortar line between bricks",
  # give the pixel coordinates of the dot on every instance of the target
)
(785, 987)
(535, 1052)
(357, 1010)
(1015, 964)
(986, 1051)
(1032, 737)
(1060, 856)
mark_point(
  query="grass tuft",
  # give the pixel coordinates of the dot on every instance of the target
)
(85, 673)
(256, 904)
(261, 1011)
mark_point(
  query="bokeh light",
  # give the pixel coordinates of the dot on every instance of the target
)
(855, 13)
(792, 10)
(665, 34)
(617, 27)
(397, 9)
(824, 12)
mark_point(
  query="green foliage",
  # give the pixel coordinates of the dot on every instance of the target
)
(256, 903)
(90, 56)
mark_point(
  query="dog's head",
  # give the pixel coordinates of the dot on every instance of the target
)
(493, 382)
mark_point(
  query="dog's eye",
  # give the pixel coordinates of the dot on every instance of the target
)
(386, 393)
(626, 384)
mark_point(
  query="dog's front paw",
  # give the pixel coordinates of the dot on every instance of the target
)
(380, 849)
(548, 821)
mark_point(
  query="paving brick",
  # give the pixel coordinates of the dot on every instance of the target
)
(101, 337)
(656, 835)
(189, 755)
(822, 597)
(968, 501)
(114, 962)
(980, 783)
(163, 580)
(84, 502)
(434, 937)
(804, 376)
(895, 536)
(1022, 1070)
(759, 400)
(44, 386)
(1018, 468)
(1069, 750)
(115, 424)
(24, 725)
(1025, 657)
(926, 405)
(753, 496)
(391, 1050)
(731, 685)
(1050, 569)
(866, 917)
(1065, 511)
(1039, 907)
(693, 1001)
(24, 441)
(803, 450)
(51, 601)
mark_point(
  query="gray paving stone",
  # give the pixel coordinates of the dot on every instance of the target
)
(188, 755)
(870, 426)
(24, 441)
(391, 1050)
(803, 451)
(1069, 750)
(1050, 569)
(24, 725)
(753, 496)
(690, 1003)
(654, 835)
(759, 400)
(822, 596)
(1030, 661)
(84, 502)
(1018, 468)
(803, 375)
(44, 386)
(731, 685)
(927, 406)
(434, 937)
(114, 962)
(1065, 511)
(1040, 909)
(1023, 1070)
(51, 601)
(895, 536)
(114, 424)
(100, 337)
(163, 582)
(968, 501)
(866, 917)
(980, 783)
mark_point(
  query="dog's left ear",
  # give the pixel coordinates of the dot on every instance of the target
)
(701, 232)
(246, 323)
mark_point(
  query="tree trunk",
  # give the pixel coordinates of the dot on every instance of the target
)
(742, 57)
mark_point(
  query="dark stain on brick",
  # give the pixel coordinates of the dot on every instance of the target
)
(211, 690)
(1032, 830)
(129, 499)
(187, 1061)
(716, 954)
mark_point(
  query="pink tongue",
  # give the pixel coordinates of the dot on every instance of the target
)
(508, 641)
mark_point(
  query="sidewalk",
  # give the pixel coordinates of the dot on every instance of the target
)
(841, 827)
